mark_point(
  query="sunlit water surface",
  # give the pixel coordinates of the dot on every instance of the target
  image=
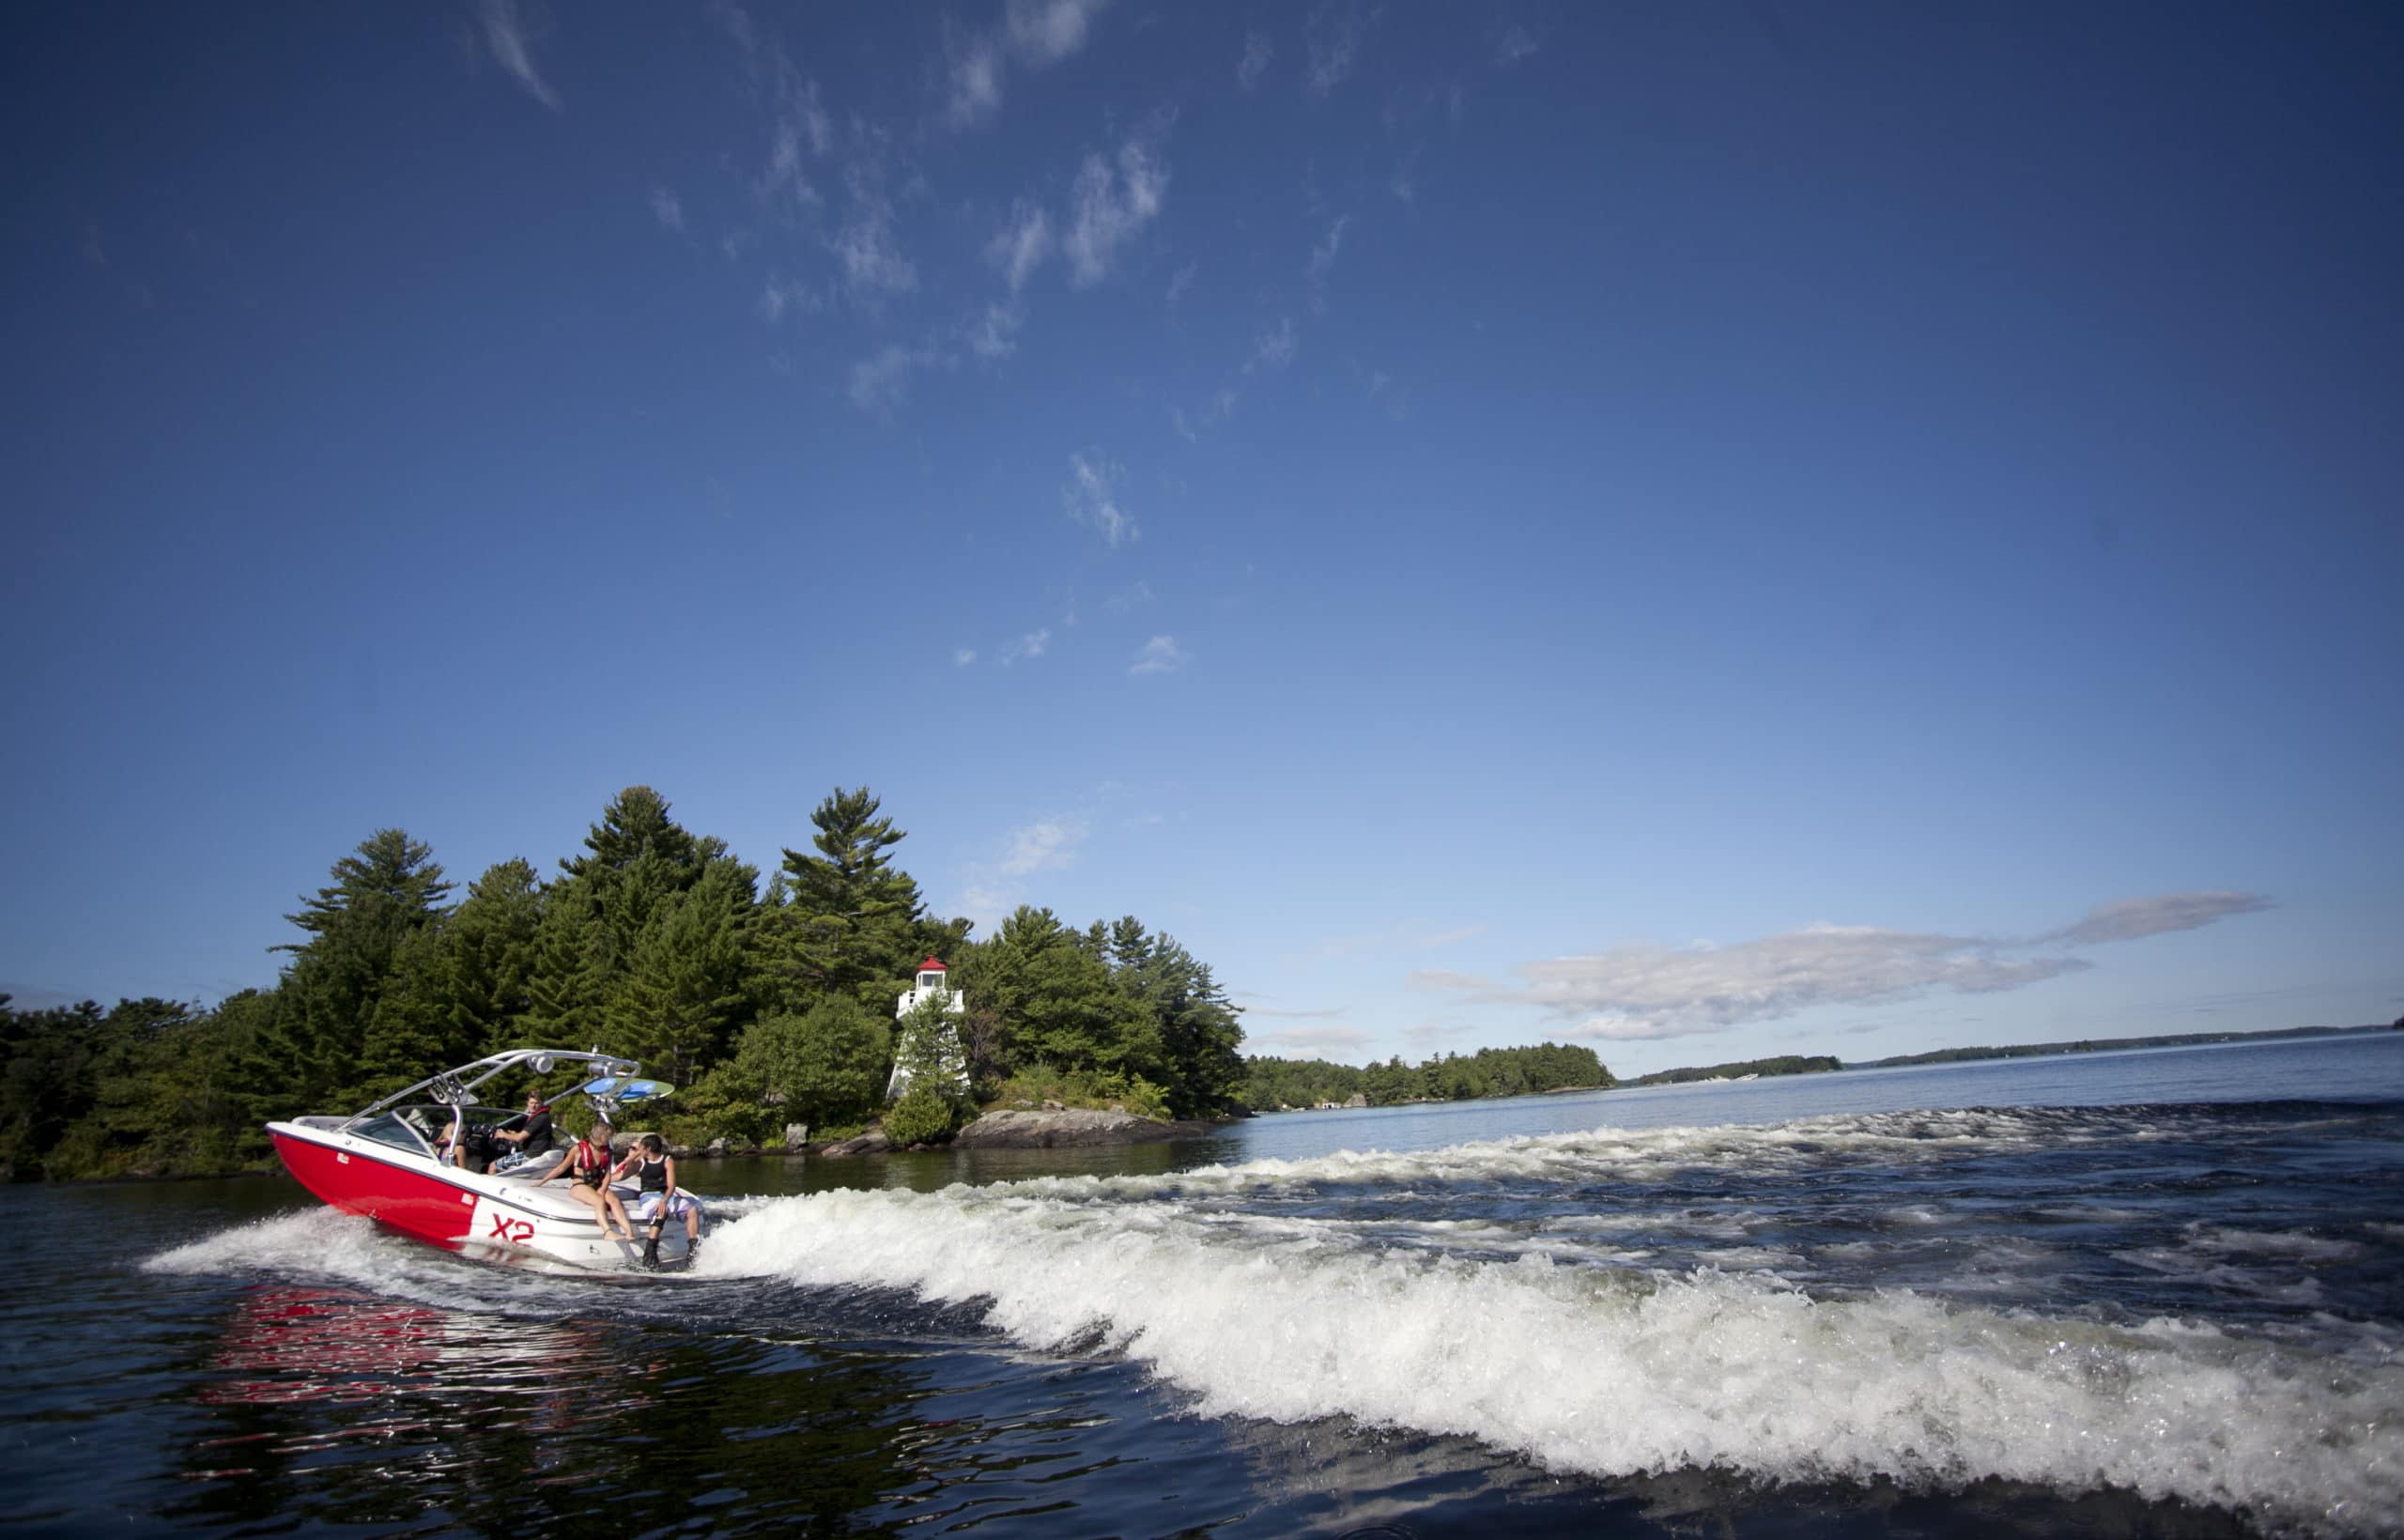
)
(2143, 1293)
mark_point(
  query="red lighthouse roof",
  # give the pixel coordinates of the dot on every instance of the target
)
(931, 966)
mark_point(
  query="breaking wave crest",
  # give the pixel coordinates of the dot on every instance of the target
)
(1608, 1370)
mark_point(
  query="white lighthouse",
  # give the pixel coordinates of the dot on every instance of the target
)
(931, 983)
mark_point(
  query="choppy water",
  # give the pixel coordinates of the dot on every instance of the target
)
(2140, 1293)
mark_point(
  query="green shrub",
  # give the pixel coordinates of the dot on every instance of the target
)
(922, 1116)
(1040, 1083)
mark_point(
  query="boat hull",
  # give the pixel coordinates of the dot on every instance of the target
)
(454, 1208)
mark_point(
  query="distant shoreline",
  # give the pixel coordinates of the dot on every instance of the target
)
(2105, 1045)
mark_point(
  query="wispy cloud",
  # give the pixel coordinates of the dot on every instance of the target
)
(1109, 206)
(873, 264)
(1314, 1040)
(1323, 254)
(963, 656)
(1019, 247)
(1091, 498)
(1649, 991)
(2133, 918)
(1180, 281)
(1034, 644)
(505, 36)
(1044, 845)
(1516, 43)
(668, 208)
(1159, 656)
(1033, 34)
(1446, 938)
(1331, 39)
(1330, 1014)
(974, 72)
(776, 297)
(1047, 31)
(1274, 349)
(1133, 596)
(995, 334)
(882, 382)
(1218, 408)
(1257, 50)
(799, 127)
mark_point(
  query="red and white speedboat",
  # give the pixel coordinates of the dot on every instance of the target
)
(391, 1163)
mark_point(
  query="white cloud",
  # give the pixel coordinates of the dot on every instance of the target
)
(1649, 991)
(995, 336)
(1161, 654)
(1180, 281)
(881, 382)
(1044, 845)
(1323, 254)
(1044, 31)
(1109, 207)
(1132, 597)
(1446, 938)
(873, 266)
(1033, 644)
(784, 176)
(1035, 33)
(1517, 44)
(1218, 408)
(776, 295)
(1020, 246)
(1254, 63)
(667, 209)
(1092, 497)
(964, 656)
(1332, 37)
(1401, 184)
(1314, 1040)
(2133, 918)
(976, 76)
(505, 35)
(1273, 349)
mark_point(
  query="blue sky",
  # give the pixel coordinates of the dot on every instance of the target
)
(1706, 531)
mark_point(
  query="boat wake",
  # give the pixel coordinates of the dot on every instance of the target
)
(1616, 1366)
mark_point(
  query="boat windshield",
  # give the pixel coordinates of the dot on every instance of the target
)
(402, 1129)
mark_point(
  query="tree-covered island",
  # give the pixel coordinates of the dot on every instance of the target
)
(773, 1007)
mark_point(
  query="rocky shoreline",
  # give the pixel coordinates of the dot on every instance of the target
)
(1050, 1126)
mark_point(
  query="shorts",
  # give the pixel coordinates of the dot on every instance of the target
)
(648, 1208)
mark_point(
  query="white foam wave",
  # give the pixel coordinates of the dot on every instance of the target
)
(1616, 1370)
(1617, 1153)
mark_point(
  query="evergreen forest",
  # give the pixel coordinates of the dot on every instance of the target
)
(769, 1006)
(1271, 1084)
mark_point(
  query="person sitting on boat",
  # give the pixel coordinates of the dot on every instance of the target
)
(655, 1172)
(533, 1139)
(587, 1162)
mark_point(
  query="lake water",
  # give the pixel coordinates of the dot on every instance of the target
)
(2138, 1293)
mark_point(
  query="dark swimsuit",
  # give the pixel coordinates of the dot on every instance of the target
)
(590, 1167)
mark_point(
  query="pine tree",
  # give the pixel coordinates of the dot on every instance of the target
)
(854, 923)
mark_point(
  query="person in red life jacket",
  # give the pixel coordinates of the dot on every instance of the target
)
(655, 1172)
(587, 1162)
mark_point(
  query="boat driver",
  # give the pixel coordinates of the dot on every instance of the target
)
(534, 1138)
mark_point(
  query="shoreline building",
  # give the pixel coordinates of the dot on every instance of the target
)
(952, 1054)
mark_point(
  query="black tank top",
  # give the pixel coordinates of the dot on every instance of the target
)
(654, 1176)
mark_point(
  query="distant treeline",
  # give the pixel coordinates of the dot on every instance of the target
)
(1788, 1064)
(1271, 1083)
(767, 1006)
(2105, 1045)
